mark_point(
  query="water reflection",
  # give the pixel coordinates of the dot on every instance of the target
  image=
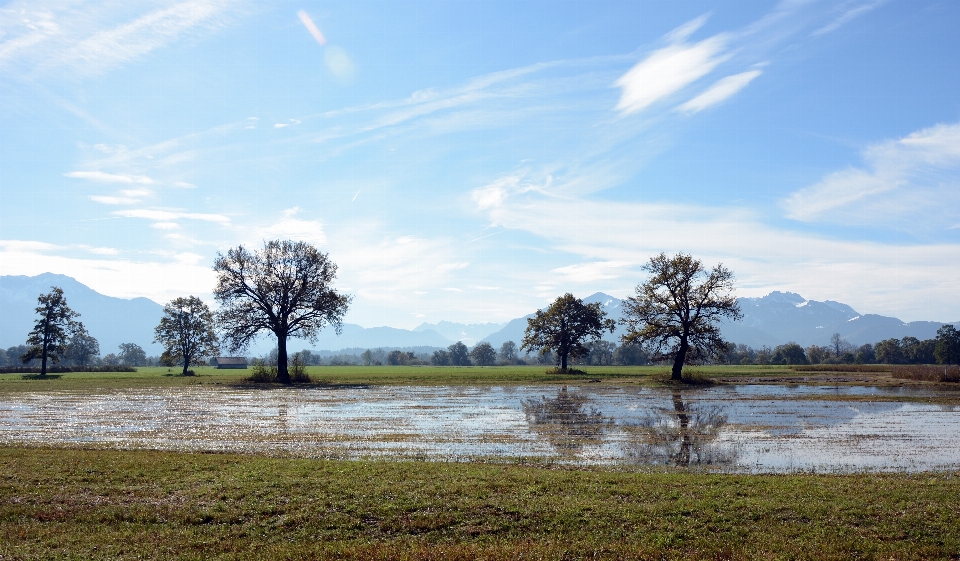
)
(682, 436)
(565, 421)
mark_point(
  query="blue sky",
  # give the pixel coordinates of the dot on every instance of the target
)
(471, 161)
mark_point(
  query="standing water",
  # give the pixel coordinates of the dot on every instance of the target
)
(752, 428)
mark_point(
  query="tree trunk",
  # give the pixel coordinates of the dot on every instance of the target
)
(43, 347)
(683, 420)
(282, 375)
(563, 362)
(186, 364)
(678, 360)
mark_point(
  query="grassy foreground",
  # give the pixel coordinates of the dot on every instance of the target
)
(156, 505)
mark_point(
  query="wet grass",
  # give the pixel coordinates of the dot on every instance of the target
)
(383, 375)
(154, 505)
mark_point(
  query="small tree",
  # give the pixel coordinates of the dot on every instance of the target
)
(483, 354)
(508, 352)
(458, 354)
(947, 350)
(789, 353)
(284, 289)
(50, 334)
(677, 312)
(131, 354)
(186, 332)
(564, 327)
(83, 346)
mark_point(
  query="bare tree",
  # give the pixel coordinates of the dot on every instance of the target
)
(677, 312)
(186, 332)
(51, 332)
(284, 289)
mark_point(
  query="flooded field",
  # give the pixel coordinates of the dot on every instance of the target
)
(748, 428)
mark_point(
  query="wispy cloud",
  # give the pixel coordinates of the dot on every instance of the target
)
(603, 243)
(90, 40)
(103, 177)
(311, 27)
(168, 215)
(719, 91)
(926, 161)
(108, 200)
(847, 12)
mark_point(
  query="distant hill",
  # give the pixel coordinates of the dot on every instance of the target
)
(513, 330)
(111, 320)
(774, 319)
(117, 320)
(468, 333)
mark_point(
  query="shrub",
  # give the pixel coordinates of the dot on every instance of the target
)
(261, 373)
(928, 373)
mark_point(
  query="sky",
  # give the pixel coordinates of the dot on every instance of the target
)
(471, 161)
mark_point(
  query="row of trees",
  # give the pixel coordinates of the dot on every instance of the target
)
(944, 349)
(285, 289)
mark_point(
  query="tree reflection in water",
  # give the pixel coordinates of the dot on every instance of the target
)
(682, 436)
(565, 421)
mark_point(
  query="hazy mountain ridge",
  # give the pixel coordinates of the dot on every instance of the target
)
(469, 333)
(776, 318)
(110, 320)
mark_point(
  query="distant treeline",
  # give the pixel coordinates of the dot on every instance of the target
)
(944, 349)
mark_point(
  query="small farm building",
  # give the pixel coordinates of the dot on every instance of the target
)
(231, 362)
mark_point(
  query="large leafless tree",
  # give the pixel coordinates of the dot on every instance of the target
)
(676, 314)
(284, 289)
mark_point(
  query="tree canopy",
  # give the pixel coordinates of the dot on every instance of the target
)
(51, 333)
(186, 332)
(947, 350)
(82, 346)
(484, 355)
(564, 327)
(284, 289)
(675, 314)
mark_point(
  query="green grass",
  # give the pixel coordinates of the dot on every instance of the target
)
(155, 505)
(379, 375)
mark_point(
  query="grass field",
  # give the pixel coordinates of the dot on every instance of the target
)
(154, 505)
(427, 375)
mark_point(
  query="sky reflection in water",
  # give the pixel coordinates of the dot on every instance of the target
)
(730, 428)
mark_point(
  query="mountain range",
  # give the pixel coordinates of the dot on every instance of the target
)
(776, 318)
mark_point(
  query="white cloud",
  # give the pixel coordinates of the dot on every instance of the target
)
(160, 280)
(721, 90)
(591, 272)
(311, 27)
(102, 177)
(168, 215)
(922, 169)
(289, 227)
(165, 225)
(873, 277)
(668, 70)
(108, 200)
